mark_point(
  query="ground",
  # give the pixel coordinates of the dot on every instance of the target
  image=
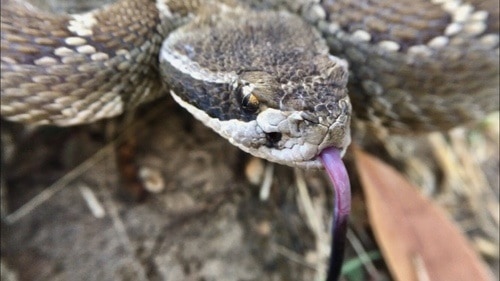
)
(202, 220)
(206, 223)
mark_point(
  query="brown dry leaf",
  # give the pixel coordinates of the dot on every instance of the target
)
(417, 239)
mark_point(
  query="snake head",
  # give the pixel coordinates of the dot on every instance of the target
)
(264, 81)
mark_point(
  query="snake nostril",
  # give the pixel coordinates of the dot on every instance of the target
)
(272, 139)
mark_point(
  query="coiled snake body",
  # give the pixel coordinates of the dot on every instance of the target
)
(261, 78)
(272, 76)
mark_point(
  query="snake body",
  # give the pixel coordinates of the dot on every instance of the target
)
(260, 77)
(271, 76)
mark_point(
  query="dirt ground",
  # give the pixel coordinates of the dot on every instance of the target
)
(206, 222)
(202, 220)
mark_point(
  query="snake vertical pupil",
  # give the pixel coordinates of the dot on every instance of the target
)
(272, 139)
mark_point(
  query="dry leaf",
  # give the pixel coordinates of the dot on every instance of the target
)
(418, 240)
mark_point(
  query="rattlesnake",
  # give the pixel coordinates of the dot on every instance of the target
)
(414, 66)
(279, 79)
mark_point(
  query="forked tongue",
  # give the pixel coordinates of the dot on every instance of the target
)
(332, 161)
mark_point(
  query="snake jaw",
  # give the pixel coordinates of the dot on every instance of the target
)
(303, 141)
(298, 149)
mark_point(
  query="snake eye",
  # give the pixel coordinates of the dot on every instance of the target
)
(249, 102)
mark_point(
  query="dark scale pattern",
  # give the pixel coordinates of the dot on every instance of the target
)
(493, 20)
(127, 31)
(120, 60)
(430, 90)
(406, 22)
(233, 41)
(443, 96)
(25, 49)
(220, 102)
(295, 61)
(407, 91)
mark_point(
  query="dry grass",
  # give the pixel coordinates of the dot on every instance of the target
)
(459, 170)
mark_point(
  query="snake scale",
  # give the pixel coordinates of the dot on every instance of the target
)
(281, 79)
(260, 77)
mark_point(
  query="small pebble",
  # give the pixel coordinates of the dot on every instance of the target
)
(254, 170)
(152, 179)
(264, 228)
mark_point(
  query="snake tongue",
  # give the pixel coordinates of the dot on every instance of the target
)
(332, 161)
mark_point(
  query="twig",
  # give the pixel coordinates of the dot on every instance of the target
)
(92, 201)
(265, 188)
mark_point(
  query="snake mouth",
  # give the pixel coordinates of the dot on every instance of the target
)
(274, 135)
(318, 161)
(296, 141)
